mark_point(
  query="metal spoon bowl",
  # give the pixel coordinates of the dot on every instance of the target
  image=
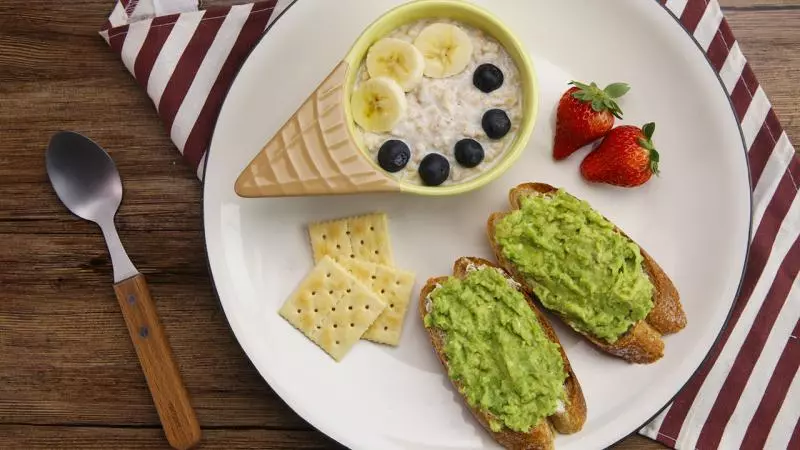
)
(88, 184)
(84, 176)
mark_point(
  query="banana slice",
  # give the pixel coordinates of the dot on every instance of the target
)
(378, 104)
(398, 60)
(447, 49)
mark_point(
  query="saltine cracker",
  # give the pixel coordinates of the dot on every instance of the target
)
(364, 238)
(332, 308)
(394, 287)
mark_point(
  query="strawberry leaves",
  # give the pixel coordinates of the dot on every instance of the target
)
(617, 90)
(601, 99)
(646, 142)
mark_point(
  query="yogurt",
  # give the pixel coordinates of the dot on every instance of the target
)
(443, 111)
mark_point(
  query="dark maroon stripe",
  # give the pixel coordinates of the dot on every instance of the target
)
(794, 442)
(775, 395)
(741, 98)
(760, 250)
(164, 20)
(131, 7)
(749, 78)
(200, 136)
(727, 34)
(760, 152)
(745, 362)
(774, 125)
(159, 31)
(692, 14)
(116, 31)
(794, 170)
(718, 52)
(669, 441)
(116, 37)
(190, 61)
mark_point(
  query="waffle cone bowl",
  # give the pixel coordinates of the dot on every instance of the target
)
(320, 150)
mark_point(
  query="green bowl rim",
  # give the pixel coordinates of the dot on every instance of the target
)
(525, 65)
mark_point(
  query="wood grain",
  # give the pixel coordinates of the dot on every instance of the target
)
(98, 438)
(69, 376)
(164, 380)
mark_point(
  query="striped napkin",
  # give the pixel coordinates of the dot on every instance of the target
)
(746, 395)
(186, 59)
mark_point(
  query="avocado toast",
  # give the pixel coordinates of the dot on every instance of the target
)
(587, 271)
(502, 355)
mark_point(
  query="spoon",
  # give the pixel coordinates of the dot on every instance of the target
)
(87, 182)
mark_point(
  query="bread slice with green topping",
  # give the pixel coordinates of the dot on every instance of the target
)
(640, 341)
(527, 431)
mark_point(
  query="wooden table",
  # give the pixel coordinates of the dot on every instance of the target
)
(68, 374)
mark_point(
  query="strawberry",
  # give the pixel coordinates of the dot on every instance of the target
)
(626, 157)
(585, 114)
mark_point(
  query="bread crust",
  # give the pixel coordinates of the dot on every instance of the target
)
(643, 343)
(541, 437)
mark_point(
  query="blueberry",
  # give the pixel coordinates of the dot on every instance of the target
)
(469, 152)
(434, 169)
(496, 123)
(393, 155)
(488, 78)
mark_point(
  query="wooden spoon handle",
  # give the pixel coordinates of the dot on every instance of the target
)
(158, 364)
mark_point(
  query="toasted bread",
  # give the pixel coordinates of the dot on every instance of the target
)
(566, 421)
(643, 342)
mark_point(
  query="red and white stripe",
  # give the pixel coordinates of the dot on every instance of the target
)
(747, 395)
(186, 58)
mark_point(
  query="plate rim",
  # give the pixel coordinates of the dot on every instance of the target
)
(716, 341)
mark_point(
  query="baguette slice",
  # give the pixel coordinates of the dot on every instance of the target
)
(643, 343)
(541, 437)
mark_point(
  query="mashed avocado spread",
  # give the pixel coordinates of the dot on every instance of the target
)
(579, 265)
(496, 349)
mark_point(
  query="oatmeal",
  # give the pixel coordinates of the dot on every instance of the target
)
(469, 118)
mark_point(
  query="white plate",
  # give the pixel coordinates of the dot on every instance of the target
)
(694, 219)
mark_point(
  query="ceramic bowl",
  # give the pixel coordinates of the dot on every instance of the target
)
(477, 17)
